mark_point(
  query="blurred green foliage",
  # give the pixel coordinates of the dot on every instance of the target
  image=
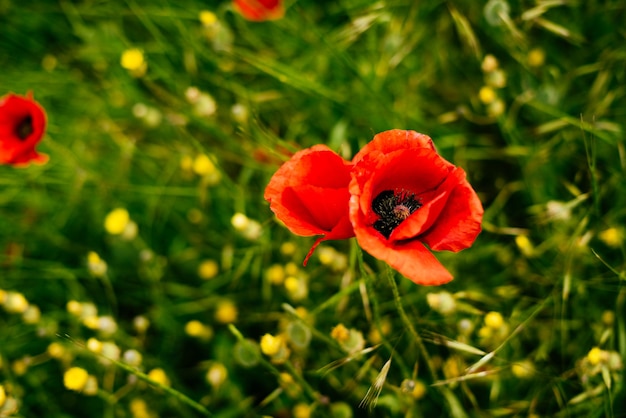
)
(528, 97)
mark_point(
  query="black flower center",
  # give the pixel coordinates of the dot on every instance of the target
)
(393, 207)
(24, 128)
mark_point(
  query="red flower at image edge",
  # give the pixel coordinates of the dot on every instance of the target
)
(405, 195)
(260, 10)
(309, 194)
(22, 125)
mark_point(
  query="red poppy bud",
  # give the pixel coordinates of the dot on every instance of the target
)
(405, 195)
(309, 194)
(260, 10)
(22, 125)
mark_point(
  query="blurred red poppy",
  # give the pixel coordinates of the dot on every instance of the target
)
(309, 194)
(260, 10)
(22, 125)
(405, 195)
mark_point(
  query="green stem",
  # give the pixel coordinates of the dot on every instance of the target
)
(173, 392)
(455, 408)
(377, 322)
(409, 325)
(305, 386)
(142, 376)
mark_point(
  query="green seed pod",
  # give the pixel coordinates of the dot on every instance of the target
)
(341, 410)
(247, 353)
(299, 335)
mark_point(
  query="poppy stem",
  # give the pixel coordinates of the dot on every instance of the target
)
(405, 319)
(369, 284)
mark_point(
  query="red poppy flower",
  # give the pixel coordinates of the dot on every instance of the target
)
(405, 195)
(22, 124)
(260, 10)
(309, 194)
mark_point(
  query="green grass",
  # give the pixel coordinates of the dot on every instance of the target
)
(548, 161)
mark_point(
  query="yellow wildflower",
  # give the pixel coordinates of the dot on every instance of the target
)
(296, 287)
(288, 248)
(110, 350)
(203, 166)
(301, 410)
(536, 57)
(275, 274)
(159, 376)
(96, 265)
(197, 329)
(612, 237)
(132, 357)
(139, 409)
(217, 374)
(496, 108)
(525, 246)
(116, 221)
(271, 345)
(442, 302)
(494, 320)
(75, 378)
(340, 333)
(56, 350)
(595, 356)
(15, 302)
(207, 18)
(487, 94)
(239, 221)
(94, 345)
(489, 64)
(523, 370)
(226, 312)
(208, 269)
(134, 61)
(31, 315)
(74, 307)
(141, 323)
(20, 366)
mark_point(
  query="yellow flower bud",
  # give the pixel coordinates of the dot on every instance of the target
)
(536, 57)
(340, 333)
(208, 269)
(487, 94)
(226, 312)
(271, 345)
(116, 221)
(217, 374)
(494, 320)
(159, 376)
(133, 60)
(207, 18)
(75, 378)
(595, 356)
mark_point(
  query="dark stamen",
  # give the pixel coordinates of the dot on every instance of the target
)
(24, 128)
(393, 207)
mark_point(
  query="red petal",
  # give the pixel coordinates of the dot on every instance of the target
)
(260, 10)
(324, 206)
(320, 172)
(458, 225)
(393, 140)
(419, 171)
(430, 213)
